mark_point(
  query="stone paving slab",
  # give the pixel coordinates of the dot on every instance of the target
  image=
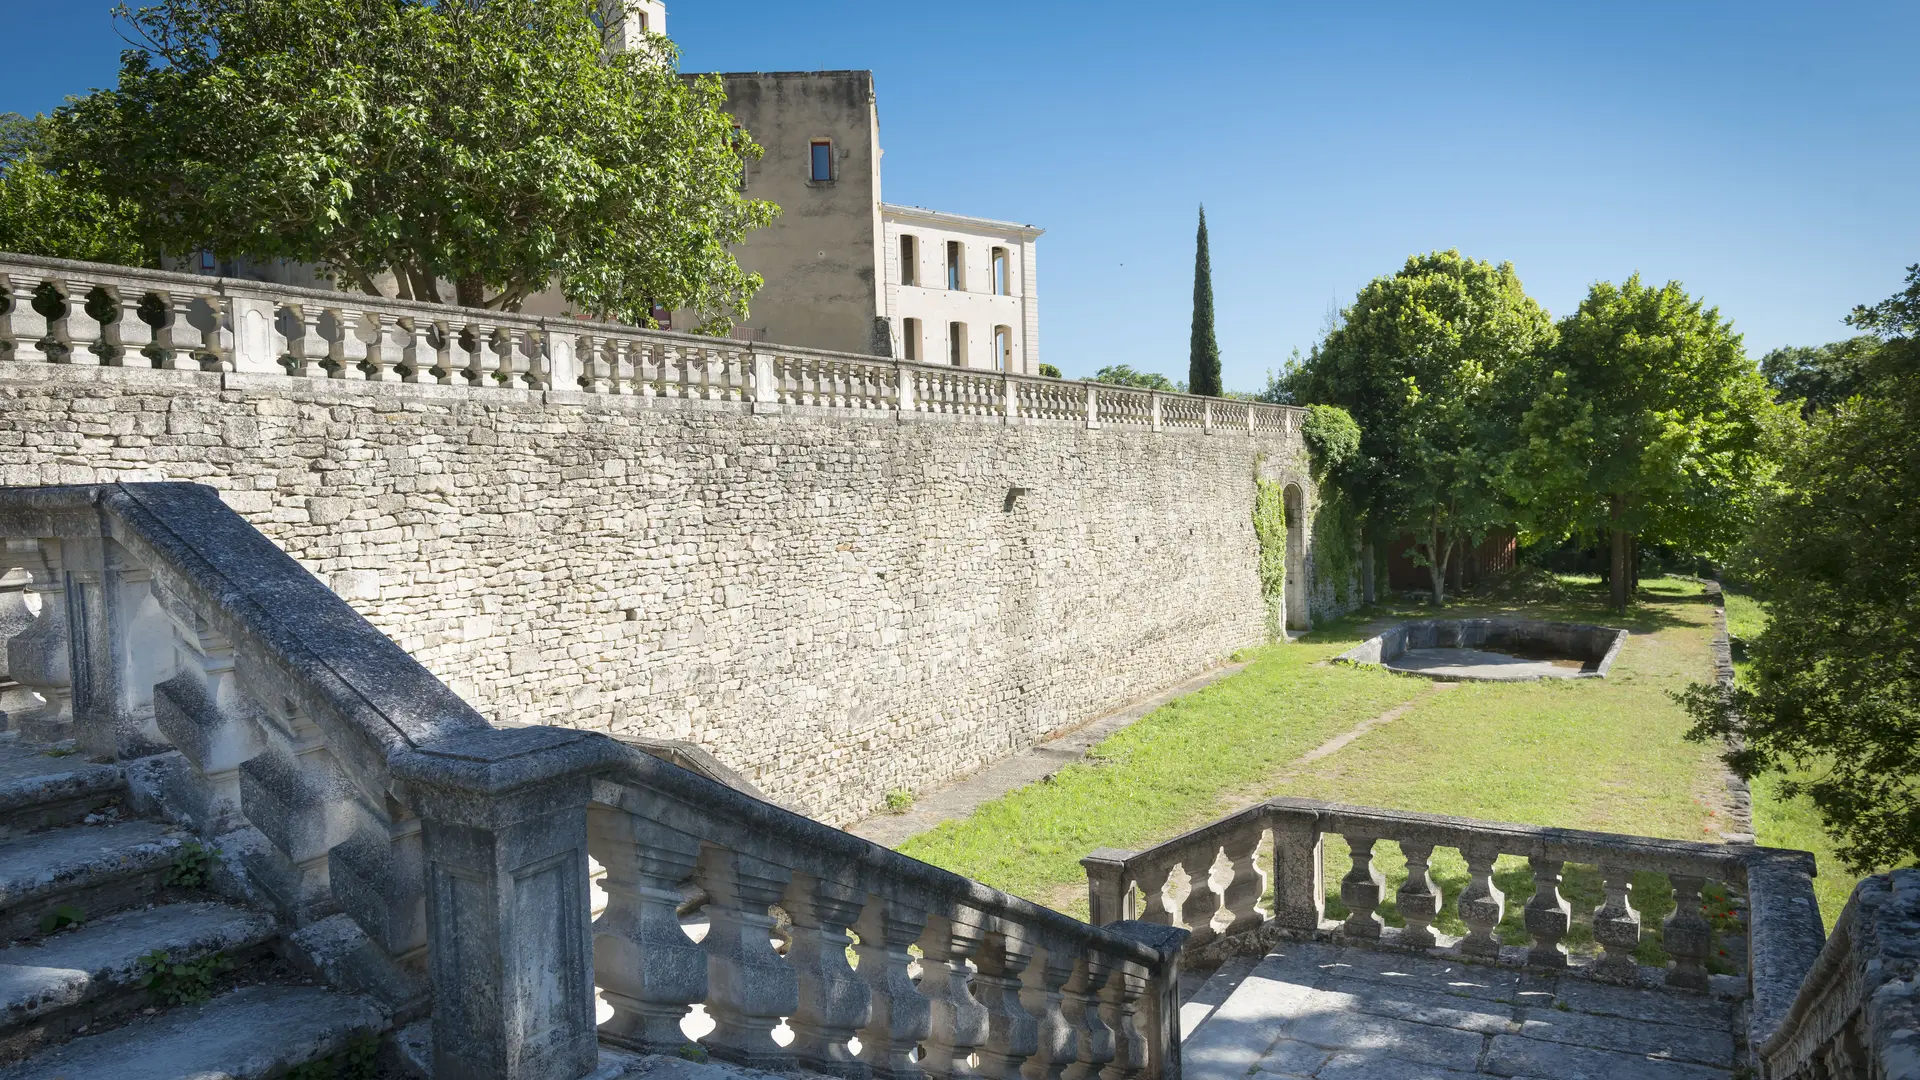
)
(1325, 1012)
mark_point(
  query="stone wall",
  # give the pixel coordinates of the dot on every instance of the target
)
(836, 604)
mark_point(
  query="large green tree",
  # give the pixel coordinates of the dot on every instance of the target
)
(1650, 425)
(1434, 363)
(1832, 694)
(1124, 375)
(62, 216)
(500, 147)
(1819, 376)
(1203, 354)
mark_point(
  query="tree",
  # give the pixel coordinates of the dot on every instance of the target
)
(1434, 364)
(1649, 426)
(1203, 362)
(46, 213)
(1048, 371)
(1124, 375)
(499, 147)
(1832, 694)
(1819, 377)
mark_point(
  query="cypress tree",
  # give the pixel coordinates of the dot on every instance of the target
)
(1203, 365)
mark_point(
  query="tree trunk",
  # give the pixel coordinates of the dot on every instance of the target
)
(1367, 595)
(1437, 560)
(1618, 571)
(470, 292)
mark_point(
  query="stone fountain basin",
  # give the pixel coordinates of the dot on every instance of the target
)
(1491, 650)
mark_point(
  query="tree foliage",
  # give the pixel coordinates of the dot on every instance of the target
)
(1833, 691)
(58, 215)
(1124, 375)
(1203, 359)
(1333, 440)
(1820, 376)
(1433, 363)
(496, 146)
(1650, 425)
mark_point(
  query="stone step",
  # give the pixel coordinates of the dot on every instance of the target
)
(251, 1033)
(97, 869)
(54, 985)
(42, 786)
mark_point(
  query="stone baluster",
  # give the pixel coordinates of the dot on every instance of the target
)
(538, 346)
(958, 1022)
(1013, 1035)
(23, 330)
(1152, 879)
(1482, 905)
(1202, 900)
(216, 351)
(476, 341)
(1616, 926)
(82, 335)
(749, 986)
(122, 334)
(1120, 1006)
(417, 355)
(346, 349)
(617, 354)
(529, 363)
(900, 1017)
(448, 357)
(638, 357)
(1547, 915)
(596, 372)
(834, 1003)
(58, 342)
(383, 348)
(175, 338)
(306, 348)
(1248, 883)
(673, 370)
(1043, 994)
(206, 716)
(1361, 890)
(1093, 1039)
(1687, 935)
(647, 968)
(1419, 897)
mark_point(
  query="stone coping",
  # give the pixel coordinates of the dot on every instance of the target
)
(1597, 646)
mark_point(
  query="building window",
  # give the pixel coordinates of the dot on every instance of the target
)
(957, 344)
(643, 22)
(910, 339)
(1002, 273)
(207, 265)
(822, 161)
(956, 265)
(909, 261)
(1003, 348)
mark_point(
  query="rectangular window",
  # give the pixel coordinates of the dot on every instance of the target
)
(822, 161)
(207, 264)
(957, 344)
(909, 261)
(956, 265)
(910, 339)
(1002, 273)
(1003, 348)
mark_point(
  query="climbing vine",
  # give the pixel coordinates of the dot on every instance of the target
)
(1270, 528)
(1333, 449)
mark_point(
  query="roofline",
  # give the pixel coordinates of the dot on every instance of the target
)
(943, 217)
(868, 72)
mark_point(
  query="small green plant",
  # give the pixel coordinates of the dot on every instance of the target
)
(693, 1052)
(187, 983)
(193, 865)
(62, 751)
(899, 801)
(61, 917)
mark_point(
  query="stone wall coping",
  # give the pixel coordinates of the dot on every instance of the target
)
(717, 814)
(1866, 977)
(255, 591)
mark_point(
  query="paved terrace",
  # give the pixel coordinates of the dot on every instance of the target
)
(1334, 1012)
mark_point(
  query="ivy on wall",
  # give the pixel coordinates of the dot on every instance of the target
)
(1270, 529)
(1333, 445)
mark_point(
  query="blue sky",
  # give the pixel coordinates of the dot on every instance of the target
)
(1763, 153)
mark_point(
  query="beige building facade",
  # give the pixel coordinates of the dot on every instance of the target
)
(962, 290)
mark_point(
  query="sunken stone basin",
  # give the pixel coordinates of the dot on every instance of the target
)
(1491, 650)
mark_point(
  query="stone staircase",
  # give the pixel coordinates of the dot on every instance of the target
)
(87, 889)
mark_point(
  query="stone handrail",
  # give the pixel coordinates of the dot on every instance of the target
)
(63, 312)
(1858, 1012)
(1007, 980)
(155, 627)
(1783, 923)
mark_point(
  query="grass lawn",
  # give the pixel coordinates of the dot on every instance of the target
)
(1594, 754)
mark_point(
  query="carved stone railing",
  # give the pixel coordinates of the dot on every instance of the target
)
(60, 312)
(156, 628)
(1212, 880)
(1858, 1012)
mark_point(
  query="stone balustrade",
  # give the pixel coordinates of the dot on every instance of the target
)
(61, 312)
(347, 785)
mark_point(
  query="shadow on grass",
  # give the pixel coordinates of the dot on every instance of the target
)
(1581, 602)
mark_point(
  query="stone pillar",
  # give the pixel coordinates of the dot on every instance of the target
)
(509, 950)
(1206, 416)
(1299, 871)
(1153, 397)
(1108, 897)
(255, 350)
(38, 657)
(766, 383)
(1093, 406)
(903, 385)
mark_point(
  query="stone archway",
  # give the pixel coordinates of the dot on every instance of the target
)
(1297, 583)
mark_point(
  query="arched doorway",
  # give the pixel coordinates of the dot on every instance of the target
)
(1296, 559)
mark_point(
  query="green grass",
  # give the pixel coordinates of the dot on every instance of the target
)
(1596, 754)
